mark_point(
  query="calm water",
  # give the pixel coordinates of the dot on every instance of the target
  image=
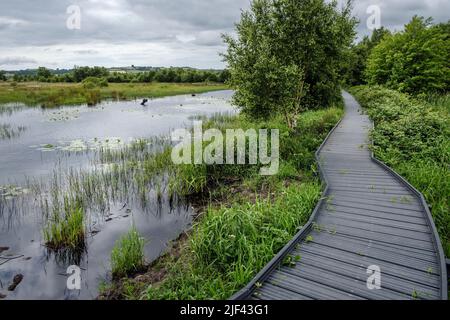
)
(33, 142)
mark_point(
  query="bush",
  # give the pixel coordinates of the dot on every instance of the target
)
(93, 82)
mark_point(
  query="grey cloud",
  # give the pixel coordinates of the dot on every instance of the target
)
(189, 29)
(395, 14)
(16, 61)
(86, 51)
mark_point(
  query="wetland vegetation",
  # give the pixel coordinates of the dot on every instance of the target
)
(246, 218)
(92, 187)
(50, 95)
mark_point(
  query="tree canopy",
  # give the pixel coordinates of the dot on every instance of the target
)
(416, 60)
(354, 65)
(287, 56)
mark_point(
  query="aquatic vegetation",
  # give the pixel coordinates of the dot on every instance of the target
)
(75, 146)
(127, 255)
(66, 230)
(63, 115)
(117, 180)
(93, 97)
(8, 132)
(9, 191)
(45, 147)
(80, 145)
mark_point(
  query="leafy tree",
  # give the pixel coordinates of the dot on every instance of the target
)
(43, 74)
(81, 73)
(3, 76)
(354, 65)
(286, 56)
(416, 60)
(17, 77)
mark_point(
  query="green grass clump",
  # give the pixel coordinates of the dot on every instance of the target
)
(66, 231)
(127, 255)
(412, 135)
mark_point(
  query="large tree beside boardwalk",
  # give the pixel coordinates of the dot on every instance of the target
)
(415, 60)
(286, 56)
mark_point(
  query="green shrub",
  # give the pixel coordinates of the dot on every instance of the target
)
(94, 82)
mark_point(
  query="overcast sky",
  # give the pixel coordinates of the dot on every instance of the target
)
(148, 32)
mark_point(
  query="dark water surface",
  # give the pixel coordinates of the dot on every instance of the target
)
(34, 141)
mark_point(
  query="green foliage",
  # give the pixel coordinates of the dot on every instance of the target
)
(43, 73)
(232, 242)
(354, 66)
(166, 75)
(94, 82)
(127, 255)
(416, 60)
(3, 76)
(287, 55)
(413, 137)
(81, 73)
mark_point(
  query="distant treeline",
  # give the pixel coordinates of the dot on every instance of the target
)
(415, 60)
(78, 74)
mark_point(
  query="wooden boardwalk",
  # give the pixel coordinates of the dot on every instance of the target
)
(368, 216)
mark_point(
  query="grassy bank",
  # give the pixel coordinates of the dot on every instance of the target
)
(247, 218)
(412, 135)
(56, 94)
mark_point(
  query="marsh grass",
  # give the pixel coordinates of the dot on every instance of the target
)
(127, 256)
(9, 132)
(50, 95)
(66, 231)
(248, 219)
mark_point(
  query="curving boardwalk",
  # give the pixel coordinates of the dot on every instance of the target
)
(369, 216)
